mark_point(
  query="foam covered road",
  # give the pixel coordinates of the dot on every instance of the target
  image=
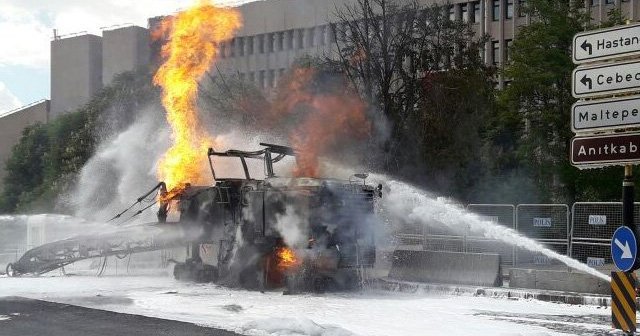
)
(22, 316)
(367, 313)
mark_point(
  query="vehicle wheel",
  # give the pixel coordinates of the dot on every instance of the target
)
(10, 271)
(178, 271)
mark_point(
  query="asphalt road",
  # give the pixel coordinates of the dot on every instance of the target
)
(26, 317)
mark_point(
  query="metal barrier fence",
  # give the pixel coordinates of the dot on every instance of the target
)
(548, 224)
(476, 242)
(593, 224)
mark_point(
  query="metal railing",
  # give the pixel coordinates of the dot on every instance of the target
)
(548, 224)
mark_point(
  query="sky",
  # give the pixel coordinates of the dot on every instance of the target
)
(26, 29)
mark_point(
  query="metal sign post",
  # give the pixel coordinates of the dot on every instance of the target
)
(616, 116)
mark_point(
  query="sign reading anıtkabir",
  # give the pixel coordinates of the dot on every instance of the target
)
(606, 79)
(595, 45)
(605, 150)
(605, 114)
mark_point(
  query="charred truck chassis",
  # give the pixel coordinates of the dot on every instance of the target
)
(299, 233)
(237, 228)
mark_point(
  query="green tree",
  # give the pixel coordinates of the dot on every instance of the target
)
(48, 157)
(538, 101)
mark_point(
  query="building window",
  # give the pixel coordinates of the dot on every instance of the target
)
(252, 77)
(240, 46)
(508, 13)
(507, 50)
(322, 38)
(270, 42)
(261, 43)
(223, 50)
(290, 39)
(521, 6)
(261, 79)
(242, 76)
(452, 12)
(250, 45)
(464, 13)
(232, 48)
(595, 3)
(609, 2)
(495, 52)
(272, 78)
(496, 10)
(281, 72)
(476, 12)
(312, 37)
(280, 41)
(300, 38)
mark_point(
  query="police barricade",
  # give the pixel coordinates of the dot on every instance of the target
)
(593, 225)
(477, 242)
(548, 224)
(439, 237)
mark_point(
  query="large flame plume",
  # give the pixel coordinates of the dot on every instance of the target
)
(330, 118)
(192, 38)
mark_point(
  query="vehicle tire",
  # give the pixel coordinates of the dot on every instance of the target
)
(10, 271)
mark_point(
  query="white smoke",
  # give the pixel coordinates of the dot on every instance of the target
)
(292, 226)
(122, 169)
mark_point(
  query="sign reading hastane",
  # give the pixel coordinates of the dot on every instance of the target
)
(595, 45)
(606, 114)
(605, 150)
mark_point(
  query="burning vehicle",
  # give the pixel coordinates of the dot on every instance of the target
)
(300, 233)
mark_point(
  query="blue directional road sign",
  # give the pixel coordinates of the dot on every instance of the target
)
(624, 248)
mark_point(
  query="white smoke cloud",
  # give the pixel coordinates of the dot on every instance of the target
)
(122, 169)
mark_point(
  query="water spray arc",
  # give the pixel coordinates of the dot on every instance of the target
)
(405, 200)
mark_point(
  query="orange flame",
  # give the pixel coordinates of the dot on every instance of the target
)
(192, 45)
(330, 119)
(287, 259)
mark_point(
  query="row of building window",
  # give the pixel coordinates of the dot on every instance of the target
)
(606, 2)
(277, 41)
(495, 51)
(264, 78)
(470, 11)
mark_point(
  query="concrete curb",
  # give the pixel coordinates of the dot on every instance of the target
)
(508, 293)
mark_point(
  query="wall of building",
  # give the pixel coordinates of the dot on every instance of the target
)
(277, 32)
(124, 49)
(13, 123)
(76, 72)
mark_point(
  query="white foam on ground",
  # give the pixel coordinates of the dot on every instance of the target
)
(273, 314)
(4, 318)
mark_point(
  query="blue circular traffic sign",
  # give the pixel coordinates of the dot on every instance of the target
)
(624, 248)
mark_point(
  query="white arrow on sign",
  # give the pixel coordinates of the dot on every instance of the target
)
(595, 45)
(606, 79)
(626, 250)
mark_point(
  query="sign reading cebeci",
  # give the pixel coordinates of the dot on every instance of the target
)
(605, 114)
(601, 44)
(606, 79)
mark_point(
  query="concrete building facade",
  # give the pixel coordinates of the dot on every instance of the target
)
(13, 123)
(76, 71)
(124, 49)
(81, 65)
(276, 32)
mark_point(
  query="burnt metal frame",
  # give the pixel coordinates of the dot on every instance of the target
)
(264, 154)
